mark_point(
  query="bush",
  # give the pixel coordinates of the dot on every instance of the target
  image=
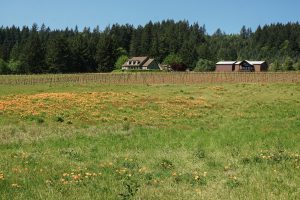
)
(297, 65)
(59, 119)
(179, 67)
(166, 164)
(275, 66)
(15, 66)
(121, 60)
(204, 65)
(173, 59)
(288, 64)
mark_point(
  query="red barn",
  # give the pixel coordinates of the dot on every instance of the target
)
(225, 66)
(241, 66)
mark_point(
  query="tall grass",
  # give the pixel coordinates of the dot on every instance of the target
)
(208, 141)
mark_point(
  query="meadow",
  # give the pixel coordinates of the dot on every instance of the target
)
(149, 141)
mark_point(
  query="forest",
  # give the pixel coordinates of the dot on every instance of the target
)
(30, 50)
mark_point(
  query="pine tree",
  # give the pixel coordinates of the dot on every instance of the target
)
(135, 44)
(15, 52)
(80, 53)
(146, 39)
(106, 55)
(6, 48)
(243, 33)
(33, 55)
(58, 56)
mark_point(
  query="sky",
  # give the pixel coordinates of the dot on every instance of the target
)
(229, 15)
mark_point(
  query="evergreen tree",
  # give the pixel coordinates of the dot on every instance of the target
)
(135, 42)
(32, 55)
(106, 53)
(146, 39)
(243, 33)
(6, 48)
(58, 56)
(81, 56)
(3, 67)
(15, 52)
(189, 54)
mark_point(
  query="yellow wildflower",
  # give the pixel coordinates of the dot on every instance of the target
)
(15, 185)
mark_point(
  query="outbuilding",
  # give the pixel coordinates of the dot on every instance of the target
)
(241, 66)
(225, 66)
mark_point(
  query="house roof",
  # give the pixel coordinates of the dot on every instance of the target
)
(148, 62)
(140, 61)
(226, 62)
(255, 62)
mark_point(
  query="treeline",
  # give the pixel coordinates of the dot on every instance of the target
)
(42, 50)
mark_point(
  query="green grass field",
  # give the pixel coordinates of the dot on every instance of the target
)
(225, 141)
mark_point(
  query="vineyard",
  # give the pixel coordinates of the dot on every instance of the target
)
(152, 78)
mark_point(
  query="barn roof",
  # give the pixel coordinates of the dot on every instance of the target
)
(226, 62)
(255, 62)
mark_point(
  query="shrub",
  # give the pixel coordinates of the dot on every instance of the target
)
(131, 187)
(179, 67)
(166, 164)
(288, 64)
(40, 120)
(200, 153)
(204, 65)
(126, 126)
(59, 119)
(15, 66)
(173, 59)
(121, 60)
(275, 66)
(297, 65)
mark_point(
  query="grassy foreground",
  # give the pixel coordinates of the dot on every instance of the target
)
(231, 141)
